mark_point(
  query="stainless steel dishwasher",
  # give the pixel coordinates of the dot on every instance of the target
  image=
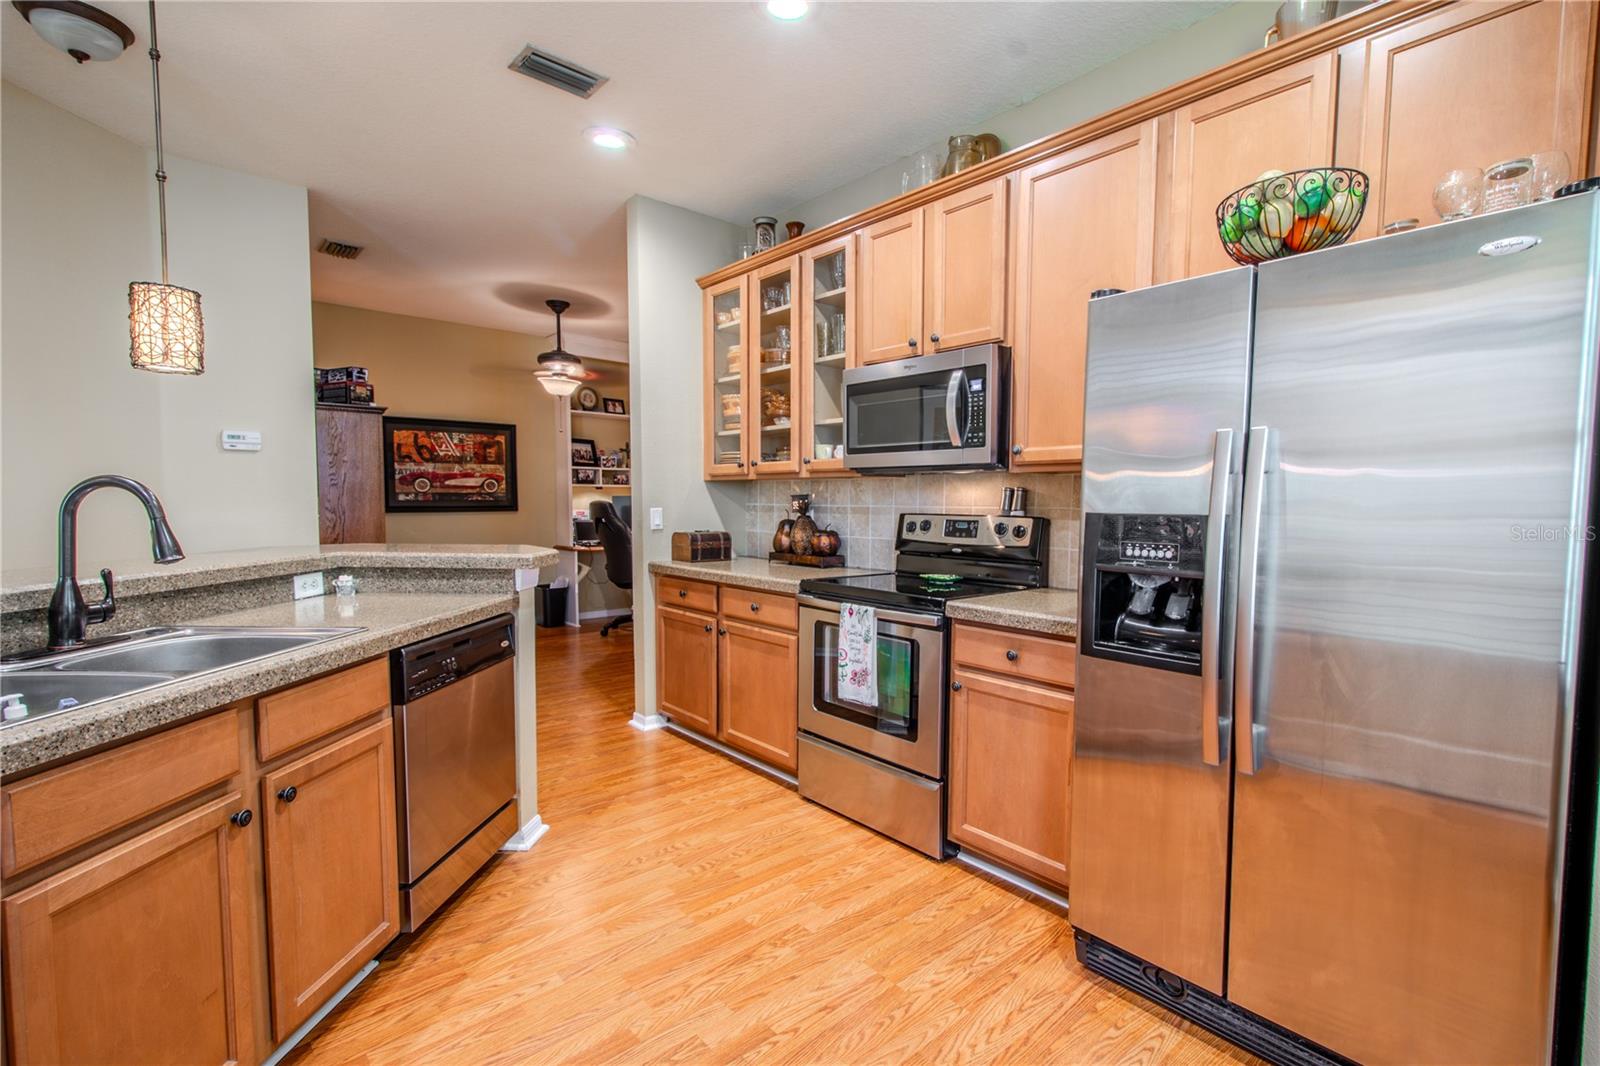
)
(456, 759)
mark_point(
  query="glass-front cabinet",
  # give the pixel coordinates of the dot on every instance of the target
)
(774, 391)
(727, 395)
(827, 349)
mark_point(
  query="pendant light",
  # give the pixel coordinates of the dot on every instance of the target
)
(559, 370)
(169, 336)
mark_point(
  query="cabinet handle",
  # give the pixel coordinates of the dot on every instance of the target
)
(912, 342)
(806, 460)
(933, 338)
(683, 594)
(708, 629)
(955, 686)
(1016, 449)
(1011, 655)
(722, 632)
(755, 607)
(241, 818)
(288, 794)
(754, 463)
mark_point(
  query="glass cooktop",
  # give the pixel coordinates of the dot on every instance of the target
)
(924, 591)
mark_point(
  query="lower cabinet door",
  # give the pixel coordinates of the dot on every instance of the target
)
(140, 954)
(1010, 772)
(686, 668)
(333, 881)
(759, 692)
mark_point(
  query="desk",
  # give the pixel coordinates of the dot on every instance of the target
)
(572, 565)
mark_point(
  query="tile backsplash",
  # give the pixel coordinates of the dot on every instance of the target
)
(864, 511)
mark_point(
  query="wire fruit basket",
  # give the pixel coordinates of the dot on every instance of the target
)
(1283, 213)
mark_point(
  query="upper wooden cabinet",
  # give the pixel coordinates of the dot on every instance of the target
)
(890, 297)
(727, 346)
(1466, 86)
(1085, 220)
(827, 349)
(143, 953)
(1280, 120)
(964, 284)
(774, 392)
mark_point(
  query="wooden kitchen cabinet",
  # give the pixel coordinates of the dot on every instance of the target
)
(686, 667)
(331, 870)
(142, 953)
(1010, 759)
(890, 299)
(773, 392)
(758, 697)
(827, 349)
(1282, 120)
(964, 268)
(727, 347)
(1065, 249)
(1465, 86)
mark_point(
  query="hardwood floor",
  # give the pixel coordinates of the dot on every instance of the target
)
(685, 908)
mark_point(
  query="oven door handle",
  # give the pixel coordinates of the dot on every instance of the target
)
(885, 614)
(952, 408)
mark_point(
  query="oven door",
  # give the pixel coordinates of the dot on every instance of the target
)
(945, 411)
(907, 726)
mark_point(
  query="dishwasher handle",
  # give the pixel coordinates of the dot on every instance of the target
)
(430, 665)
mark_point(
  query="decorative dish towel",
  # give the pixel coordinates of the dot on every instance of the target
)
(858, 654)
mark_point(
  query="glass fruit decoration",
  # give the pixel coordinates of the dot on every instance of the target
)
(1284, 212)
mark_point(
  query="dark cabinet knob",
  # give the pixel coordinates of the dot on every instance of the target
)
(806, 460)
(1016, 449)
(722, 632)
(241, 818)
(912, 342)
(933, 337)
(755, 607)
(1011, 654)
(955, 686)
(708, 629)
(683, 594)
(754, 463)
(288, 794)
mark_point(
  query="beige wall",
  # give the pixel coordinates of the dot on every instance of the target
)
(78, 217)
(425, 368)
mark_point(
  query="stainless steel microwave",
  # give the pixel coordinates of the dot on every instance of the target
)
(949, 411)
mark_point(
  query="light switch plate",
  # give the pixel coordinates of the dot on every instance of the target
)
(308, 585)
(656, 521)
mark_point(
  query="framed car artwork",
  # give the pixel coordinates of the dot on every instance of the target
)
(437, 464)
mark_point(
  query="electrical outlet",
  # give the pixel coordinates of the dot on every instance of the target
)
(308, 585)
(656, 521)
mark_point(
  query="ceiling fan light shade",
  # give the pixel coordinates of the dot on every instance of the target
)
(556, 384)
(83, 32)
(168, 332)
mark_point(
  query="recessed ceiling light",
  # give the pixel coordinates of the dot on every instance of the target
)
(788, 10)
(612, 140)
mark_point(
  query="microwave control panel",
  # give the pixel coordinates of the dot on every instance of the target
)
(977, 433)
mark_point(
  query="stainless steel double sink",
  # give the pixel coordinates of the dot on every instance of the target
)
(55, 682)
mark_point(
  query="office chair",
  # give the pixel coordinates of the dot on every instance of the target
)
(617, 540)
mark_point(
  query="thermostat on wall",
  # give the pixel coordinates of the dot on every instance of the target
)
(241, 440)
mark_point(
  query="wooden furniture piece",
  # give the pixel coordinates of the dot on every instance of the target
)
(773, 394)
(686, 665)
(350, 474)
(728, 343)
(1466, 86)
(890, 299)
(136, 902)
(1062, 253)
(1011, 748)
(964, 268)
(828, 347)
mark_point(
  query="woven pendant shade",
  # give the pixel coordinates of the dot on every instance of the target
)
(169, 336)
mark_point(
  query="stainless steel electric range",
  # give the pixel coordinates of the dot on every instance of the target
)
(884, 765)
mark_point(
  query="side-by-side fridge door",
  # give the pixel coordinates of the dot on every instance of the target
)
(1164, 430)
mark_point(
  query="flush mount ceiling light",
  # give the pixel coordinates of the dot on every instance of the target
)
(559, 370)
(169, 336)
(612, 140)
(82, 31)
(788, 10)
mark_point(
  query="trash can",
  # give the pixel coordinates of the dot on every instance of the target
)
(550, 604)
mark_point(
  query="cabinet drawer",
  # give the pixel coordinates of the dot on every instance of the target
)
(690, 595)
(285, 720)
(1014, 654)
(50, 814)
(763, 608)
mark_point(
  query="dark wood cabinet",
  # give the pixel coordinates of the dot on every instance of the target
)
(350, 474)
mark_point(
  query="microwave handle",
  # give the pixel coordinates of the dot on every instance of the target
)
(952, 394)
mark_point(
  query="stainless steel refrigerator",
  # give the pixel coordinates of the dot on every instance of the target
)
(1336, 642)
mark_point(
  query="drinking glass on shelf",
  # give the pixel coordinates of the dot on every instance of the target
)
(781, 341)
(1459, 194)
(1551, 170)
(1508, 184)
(822, 340)
(836, 271)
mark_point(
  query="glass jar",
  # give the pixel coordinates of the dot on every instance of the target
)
(964, 153)
(1508, 184)
(766, 232)
(1459, 194)
(1551, 170)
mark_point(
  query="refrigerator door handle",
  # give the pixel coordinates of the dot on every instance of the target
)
(1252, 737)
(1213, 741)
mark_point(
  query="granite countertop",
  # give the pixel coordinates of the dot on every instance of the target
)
(389, 619)
(31, 589)
(1053, 612)
(752, 573)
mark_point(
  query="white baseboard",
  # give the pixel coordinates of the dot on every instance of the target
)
(646, 723)
(527, 836)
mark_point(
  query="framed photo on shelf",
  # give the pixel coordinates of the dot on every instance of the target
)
(437, 464)
(586, 475)
(584, 452)
(615, 406)
(619, 478)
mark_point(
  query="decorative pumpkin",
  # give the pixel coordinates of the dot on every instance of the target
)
(782, 540)
(804, 528)
(826, 542)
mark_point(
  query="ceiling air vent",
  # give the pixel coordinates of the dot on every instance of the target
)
(340, 250)
(553, 70)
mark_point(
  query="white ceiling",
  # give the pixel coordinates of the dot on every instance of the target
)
(471, 186)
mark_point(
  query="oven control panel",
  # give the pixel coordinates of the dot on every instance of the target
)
(976, 531)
